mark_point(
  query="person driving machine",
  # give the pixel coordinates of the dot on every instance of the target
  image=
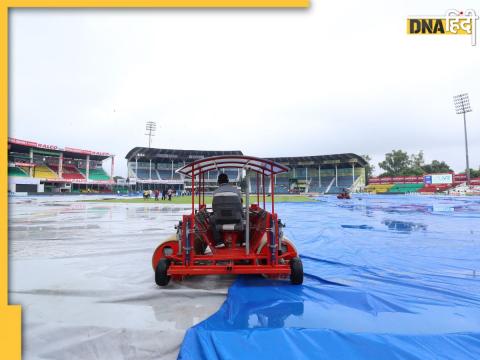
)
(227, 209)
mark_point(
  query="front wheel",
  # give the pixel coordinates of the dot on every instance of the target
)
(161, 277)
(296, 271)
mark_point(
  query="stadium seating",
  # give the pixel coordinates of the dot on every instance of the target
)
(144, 174)
(68, 171)
(16, 171)
(327, 180)
(44, 172)
(280, 189)
(405, 188)
(212, 175)
(71, 172)
(167, 175)
(314, 185)
(282, 184)
(25, 169)
(345, 181)
(336, 189)
(378, 188)
(96, 174)
(434, 188)
(231, 173)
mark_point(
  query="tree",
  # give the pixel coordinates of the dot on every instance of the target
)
(436, 167)
(397, 162)
(417, 161)
(473, 173)
(369, 168)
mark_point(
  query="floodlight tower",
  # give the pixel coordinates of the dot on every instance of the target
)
(151, 126)
(462, 106)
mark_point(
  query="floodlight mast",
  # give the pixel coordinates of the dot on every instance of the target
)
(462, 106)
(151, 127)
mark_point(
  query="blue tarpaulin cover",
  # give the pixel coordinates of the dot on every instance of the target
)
(386, 277)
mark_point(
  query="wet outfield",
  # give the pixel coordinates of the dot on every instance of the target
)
(390, 276)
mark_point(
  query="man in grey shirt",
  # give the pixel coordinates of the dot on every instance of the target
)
(227, 207)
(224, 186)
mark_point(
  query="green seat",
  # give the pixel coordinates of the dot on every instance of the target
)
(95, 174)
(405, 188)
(15, 171)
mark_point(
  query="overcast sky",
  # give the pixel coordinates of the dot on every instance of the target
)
(339, 77)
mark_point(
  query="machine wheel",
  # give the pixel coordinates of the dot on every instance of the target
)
(161, 277)
(296, 271)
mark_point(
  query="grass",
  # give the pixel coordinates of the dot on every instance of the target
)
(208, 200)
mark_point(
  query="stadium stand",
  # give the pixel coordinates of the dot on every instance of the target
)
(378, 188)
(336, 189)
(16, 171)
(434, 188)
(68, 171)
(163, 161)
(418, 184)
(167, 175)
(44, 172)
(405, 188)
(311, 174)
(232, 174)
(212, 175)
(314, 174)
(282, 185)
(96, 174)
(35, 167)
(144, 174)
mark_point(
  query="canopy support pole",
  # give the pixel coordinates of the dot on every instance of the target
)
(272, 190)
(263, 188)
(193, 190)
(258, 192)
(247, 215)
(203, 188)
(199, 189)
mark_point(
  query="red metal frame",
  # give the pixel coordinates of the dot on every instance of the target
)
(264, 257)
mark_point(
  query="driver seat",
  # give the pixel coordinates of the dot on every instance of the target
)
(227, 212)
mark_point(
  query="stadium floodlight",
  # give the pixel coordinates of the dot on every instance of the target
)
(151, 126)
(462, 106)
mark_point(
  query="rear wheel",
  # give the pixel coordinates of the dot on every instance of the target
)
(161, 277)
(296, 271)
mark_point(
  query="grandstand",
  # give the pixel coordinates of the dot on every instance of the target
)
(328, 174)
(150, 168)
(35, 167)
(417, 184)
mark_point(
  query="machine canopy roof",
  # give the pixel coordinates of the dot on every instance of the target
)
(268, 167)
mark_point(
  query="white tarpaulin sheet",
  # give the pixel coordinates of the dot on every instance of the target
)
(82, 273)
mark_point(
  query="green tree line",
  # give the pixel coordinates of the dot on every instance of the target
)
(400, 163)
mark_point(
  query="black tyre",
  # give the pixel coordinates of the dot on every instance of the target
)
(296, 271)
(161, 277)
